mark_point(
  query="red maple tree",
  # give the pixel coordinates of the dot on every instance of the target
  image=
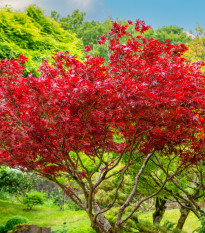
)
(147, 99)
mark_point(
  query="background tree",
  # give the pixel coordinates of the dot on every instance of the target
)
(88, 31)
(36, 36)
(196, 45)
(175, 34)
(71, 22)
(15, 181)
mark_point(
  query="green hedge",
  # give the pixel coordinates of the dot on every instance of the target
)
(13, 221)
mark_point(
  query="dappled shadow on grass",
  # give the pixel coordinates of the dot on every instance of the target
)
(30, 210)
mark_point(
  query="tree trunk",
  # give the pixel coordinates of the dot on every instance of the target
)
(183, 217)
(160, 208)
(101, 225)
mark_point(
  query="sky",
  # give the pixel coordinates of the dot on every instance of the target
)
(156, 13)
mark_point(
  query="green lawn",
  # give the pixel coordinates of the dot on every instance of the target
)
(44, 216)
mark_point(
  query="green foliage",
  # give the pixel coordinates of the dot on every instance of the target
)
(81, 229)
(175, 34)
(2, 228)
(14, 181)
(58, 199)
(5, 195)
(88, 31)
(15, 220)
(131, 223)
(173, 216)
(35, 36)
(106, 191)
(73, 206)
(71, 22)
(144, 226)
(201, 229)
(168, 225)
(34, 198)
(196, 45)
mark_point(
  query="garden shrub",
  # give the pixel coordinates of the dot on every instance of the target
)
(201, 229)
(2, 229)
(34, 198)
(5, 195)
(14, 182)
(13, 221)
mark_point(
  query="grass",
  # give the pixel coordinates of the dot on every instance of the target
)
(44, 216)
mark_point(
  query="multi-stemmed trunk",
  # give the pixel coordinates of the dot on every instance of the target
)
(100, 224)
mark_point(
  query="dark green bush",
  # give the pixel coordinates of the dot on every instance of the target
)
(15, 220)
(2, 229)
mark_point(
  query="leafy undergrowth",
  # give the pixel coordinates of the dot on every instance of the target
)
(173, 215)
(68, 219)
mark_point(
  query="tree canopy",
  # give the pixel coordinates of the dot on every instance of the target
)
(91, 121)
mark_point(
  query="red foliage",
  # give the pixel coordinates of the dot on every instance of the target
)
(140, 26)
(102, 40)
(147, 93)
(87, 48)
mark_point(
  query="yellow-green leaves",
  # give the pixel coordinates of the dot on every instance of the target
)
(34, 35)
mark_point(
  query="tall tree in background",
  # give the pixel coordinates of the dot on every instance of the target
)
(36, 36)
(71, 22)
(88, 31)
(196, 45)
(175, 34)
(87, 119)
